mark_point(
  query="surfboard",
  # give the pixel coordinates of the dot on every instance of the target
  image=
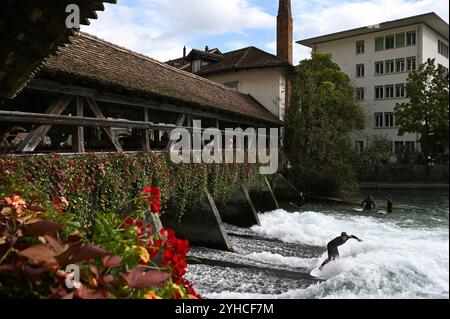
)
(356, 209)
(382, 212)
(316, 273)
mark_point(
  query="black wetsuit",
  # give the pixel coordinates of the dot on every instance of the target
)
(332, 248)
(368, 204)
(390, 207)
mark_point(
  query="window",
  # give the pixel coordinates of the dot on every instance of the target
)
(391, 147)
(359, 146)
(389, 91)
(360, 94)
(400, 90)
(411, 63)
(400, 40)
(410, 147)
(389, 42)
(390, 66)
(379, 68)
(411, 38)
(398, 147)
(378, 119)
(379, 44)
(389, 119)
(360, 70)
(443, 48)
(400, 65)
(360, 47)
(196, 65)
(379, 92)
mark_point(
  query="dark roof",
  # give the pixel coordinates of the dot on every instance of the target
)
(31, 30)
(95, 60)
(431, 19)
(247, 58)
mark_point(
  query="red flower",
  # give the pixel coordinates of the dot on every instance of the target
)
(153, 196)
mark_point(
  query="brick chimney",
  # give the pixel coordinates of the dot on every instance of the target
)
(285, 31)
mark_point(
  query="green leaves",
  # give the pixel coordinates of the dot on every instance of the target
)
(428, 109)
(322, 115)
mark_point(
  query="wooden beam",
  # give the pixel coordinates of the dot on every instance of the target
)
(35, 137)
(180, 122)
(146, 134)
(24, 117)
(108, 132)
(78, 137)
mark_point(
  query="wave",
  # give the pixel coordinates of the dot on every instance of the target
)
(392, 262)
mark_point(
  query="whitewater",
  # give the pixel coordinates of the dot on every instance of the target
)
(402, 256)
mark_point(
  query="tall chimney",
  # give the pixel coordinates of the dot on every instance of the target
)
(285, 31)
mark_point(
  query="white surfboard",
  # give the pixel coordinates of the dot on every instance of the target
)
(316, 273)
(360, 210)
(382, 212)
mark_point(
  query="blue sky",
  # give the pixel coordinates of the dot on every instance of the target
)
(160, 28)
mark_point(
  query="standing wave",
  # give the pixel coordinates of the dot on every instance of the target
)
(392, 262)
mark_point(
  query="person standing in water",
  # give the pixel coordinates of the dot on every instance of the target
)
(390, 207)
(333, 245)
(368, 203)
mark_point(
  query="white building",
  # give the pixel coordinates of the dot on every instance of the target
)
(250, 70)
(378, 60)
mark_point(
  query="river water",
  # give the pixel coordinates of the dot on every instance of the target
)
(404, 255)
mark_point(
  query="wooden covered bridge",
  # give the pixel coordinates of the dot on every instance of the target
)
(65, 91)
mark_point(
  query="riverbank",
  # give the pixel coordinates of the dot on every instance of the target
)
(405, 186)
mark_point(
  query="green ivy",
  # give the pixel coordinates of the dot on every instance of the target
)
(93, 183)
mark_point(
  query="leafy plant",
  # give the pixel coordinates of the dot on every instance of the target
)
(428, 109)
(122, 260)
(322, 115)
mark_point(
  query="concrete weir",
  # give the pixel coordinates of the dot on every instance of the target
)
(240, 211)
(284, 190)
(264, 200)
(203, 227)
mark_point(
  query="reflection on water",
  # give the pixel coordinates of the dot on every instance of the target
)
(404, 255)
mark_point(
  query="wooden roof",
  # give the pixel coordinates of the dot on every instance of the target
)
(95, 61)
(30, 31)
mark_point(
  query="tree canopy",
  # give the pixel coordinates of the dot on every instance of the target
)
(319, 120)
(427, 111)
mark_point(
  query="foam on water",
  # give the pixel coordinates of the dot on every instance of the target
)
(392, 262)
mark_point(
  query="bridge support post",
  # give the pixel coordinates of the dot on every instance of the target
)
(240, 211)
(203, 227)
(265, 200)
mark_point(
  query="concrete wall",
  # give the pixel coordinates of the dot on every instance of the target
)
(430, 46)
(265, 85)
(202, 227)
(240, 211)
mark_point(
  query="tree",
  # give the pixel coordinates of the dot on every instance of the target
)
(427, 111)
(322, 114)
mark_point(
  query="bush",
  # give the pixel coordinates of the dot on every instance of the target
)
(122, 259)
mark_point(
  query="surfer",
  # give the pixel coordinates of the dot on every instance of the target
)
(390, 207)
(301, 199)
(333, 245)
(368, 203)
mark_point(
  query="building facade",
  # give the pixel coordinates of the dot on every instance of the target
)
(378, 60)
(250, 70)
